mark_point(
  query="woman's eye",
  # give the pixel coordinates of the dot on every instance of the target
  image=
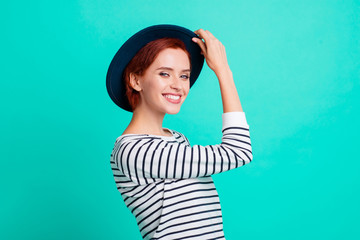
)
(164, 74)
(185, 76)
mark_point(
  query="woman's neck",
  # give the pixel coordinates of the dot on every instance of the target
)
(145, 121)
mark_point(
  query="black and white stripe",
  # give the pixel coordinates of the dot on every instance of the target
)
(167, 184)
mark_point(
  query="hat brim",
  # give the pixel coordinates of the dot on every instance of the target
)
(114, 79)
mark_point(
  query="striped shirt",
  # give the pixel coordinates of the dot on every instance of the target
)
(167, 184)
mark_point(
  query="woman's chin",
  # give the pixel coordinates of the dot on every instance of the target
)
(173, 108)
(173, 111)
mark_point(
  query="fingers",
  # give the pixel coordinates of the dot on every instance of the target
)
(210, 35)
(201, 45)
(203, 34)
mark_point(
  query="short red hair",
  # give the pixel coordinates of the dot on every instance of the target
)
(143, 59)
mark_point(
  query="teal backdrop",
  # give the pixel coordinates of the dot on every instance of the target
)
(296, 67)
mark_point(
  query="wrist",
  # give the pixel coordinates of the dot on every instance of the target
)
(224, 72)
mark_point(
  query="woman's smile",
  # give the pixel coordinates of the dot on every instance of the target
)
(173, 98)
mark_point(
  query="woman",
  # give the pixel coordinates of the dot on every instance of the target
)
(165, 182)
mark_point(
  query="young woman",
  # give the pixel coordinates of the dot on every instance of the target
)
(165, 182)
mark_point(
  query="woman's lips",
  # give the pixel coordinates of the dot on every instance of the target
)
(173, 98)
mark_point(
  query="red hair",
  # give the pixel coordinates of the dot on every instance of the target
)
(143, 59)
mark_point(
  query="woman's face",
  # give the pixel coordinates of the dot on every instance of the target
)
(166, 83)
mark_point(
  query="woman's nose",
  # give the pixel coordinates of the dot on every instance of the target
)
(175, 83)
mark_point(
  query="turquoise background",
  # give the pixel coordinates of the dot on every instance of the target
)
(296, 67)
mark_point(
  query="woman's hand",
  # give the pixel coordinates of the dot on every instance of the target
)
(213, 51)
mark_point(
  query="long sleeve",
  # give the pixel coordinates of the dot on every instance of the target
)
(145, 158)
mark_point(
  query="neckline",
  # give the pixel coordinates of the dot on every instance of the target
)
(152, 135)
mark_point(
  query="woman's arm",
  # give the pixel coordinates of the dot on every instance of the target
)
(215, 55)
(143, 159)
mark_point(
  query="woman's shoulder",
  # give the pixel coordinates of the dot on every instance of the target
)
(129, 136)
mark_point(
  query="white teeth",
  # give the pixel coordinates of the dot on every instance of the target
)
(172, 97)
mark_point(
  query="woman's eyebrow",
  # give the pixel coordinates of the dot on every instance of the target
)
(171, 69)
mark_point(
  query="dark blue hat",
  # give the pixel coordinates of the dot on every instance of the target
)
(115, 83)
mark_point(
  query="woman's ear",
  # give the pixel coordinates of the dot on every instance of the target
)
(134, 82)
